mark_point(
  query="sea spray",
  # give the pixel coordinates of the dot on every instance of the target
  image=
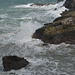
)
(25, 34)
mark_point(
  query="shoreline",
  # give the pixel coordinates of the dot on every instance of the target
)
(61, 30)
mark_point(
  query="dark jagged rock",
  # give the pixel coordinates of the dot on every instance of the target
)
(39, 4)
(59, 0)
(70, 4)
(13, 62)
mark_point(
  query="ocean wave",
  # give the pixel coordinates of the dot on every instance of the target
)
(32, 5)
(52, 10)
(40, 5)
(3, 16)
(26, 31)
(23, 6)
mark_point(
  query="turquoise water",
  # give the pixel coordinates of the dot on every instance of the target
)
(15, 2)
(18, 22)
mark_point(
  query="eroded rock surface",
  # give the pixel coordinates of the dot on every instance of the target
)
(14, 62)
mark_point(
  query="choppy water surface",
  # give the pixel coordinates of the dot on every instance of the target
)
(18, 21)
(44, 60)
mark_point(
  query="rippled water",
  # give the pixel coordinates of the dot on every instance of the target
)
(44, 60)
(18, 21)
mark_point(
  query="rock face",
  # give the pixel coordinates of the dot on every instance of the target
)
(70, 4)
(61, 30)
(13, 62)
(59, 0)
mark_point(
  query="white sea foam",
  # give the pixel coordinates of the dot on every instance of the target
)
(49, 6)
(29, 27)
(3, 16)
(1, 20)
(61, 3)
(26, 31)
(23, 6)
(51, 9)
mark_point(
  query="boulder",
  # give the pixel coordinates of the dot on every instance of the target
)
(13, 62)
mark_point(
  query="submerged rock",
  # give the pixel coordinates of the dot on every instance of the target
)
(61, 30)
(13, 62)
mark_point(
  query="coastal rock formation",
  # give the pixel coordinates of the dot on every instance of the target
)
(39, 4)
(13, 62)
(62, 29)
(70, 4)
(59, 0)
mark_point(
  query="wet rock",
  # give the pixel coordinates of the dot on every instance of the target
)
(13, 62)
(12, 73)
(37, 4)
(59, 0)
(61, 30)
(70, 4)
(44, 44)
(55, 9)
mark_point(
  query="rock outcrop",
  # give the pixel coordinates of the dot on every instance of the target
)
(13, 62)
(39, 4)
(62, 29)
(70, 4)
(59, 0)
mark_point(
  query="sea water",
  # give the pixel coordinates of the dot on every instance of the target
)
(18, 22)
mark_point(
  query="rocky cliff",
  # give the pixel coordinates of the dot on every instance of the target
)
(59, 0)
(62, 29)
(70, 4)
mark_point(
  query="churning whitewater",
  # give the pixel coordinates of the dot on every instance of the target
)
(18, 21)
